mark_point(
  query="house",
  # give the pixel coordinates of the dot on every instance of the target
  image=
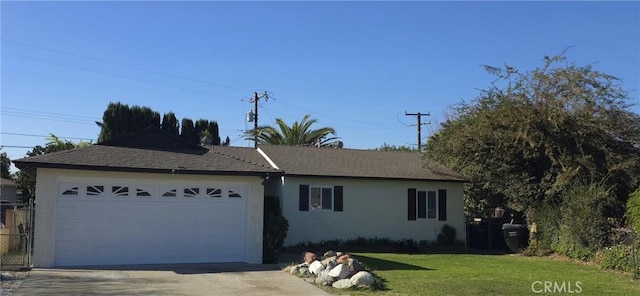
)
(147, 198)
(345, 193)
(150, 197)
(8, 191)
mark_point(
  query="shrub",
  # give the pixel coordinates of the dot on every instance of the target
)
(619, 257)
(274, 230)
(447, 236)
(633, 210)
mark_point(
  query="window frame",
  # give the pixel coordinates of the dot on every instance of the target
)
(426, 210)
(321, 189)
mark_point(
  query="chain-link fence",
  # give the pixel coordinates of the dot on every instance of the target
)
(15, 235)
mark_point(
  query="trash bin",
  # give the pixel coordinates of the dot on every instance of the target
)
(516, 236)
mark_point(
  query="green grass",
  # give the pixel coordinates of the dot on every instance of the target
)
(470, 274)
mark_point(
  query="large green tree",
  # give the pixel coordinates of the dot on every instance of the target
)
(27, 182)
(5, 164)
(170, 123)
(120, 119)
(532, 134)
(299, 133)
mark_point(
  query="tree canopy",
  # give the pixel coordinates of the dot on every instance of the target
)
(120, 119)
(54, 144)
(5, 164)
(531, 134)
(299, 133)
(389, 147)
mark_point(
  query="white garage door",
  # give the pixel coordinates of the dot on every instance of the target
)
(118, 223)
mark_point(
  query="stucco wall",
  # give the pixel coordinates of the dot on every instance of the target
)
(372, 208)
(47, 190)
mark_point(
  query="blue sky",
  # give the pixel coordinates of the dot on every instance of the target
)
(354, 66)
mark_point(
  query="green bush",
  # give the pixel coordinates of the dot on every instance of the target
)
(447, 236)
(619, 257)
(566, 243)
(633, 210)
(274, 230)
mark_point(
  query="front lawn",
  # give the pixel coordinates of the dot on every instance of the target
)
(471, 274)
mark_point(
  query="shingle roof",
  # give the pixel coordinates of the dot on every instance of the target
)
(311, 161)
(173, 157)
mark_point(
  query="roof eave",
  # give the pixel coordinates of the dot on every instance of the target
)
(175, 171)
(464, 180)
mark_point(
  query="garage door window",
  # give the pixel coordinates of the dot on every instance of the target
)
(71, 191)
(214, 192)
(95, 190)
(170, 193)
(191, 192)
(120, 191)
(140, 192)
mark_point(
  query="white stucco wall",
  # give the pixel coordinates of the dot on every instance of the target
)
(372, 208)
(47, 191)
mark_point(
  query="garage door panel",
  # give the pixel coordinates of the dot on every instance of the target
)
(97, 230)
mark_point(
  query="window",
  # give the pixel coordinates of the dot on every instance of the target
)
(142, 193)
(191, 191)
(320, 198)
(214, 192)
(233, 194)
(120, 191)
(427, 204)
(95, 190)
(170, 193)
(71, 191)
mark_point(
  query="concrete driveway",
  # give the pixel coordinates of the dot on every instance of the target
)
(174, 279)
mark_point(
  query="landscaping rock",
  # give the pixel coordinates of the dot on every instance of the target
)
(342, 284)
(330, 262)
(328, 254)
(309, 257)
(343, 259)
(341, 271)
(362, 279)
(354, 266)
(316, 267)
(300, 269)
(325, 280)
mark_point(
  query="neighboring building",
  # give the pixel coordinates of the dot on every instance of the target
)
(151, 197)
(8, 190)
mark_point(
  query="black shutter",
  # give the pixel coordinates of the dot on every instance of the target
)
(303, 204)
(337, 198)
(411, 201)
(442, 205)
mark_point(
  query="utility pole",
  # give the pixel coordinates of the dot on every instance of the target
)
(255, 100)
(419, 117)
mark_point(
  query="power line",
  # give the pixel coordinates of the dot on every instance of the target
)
(123, 65)
(44, 136)
(45, 112)
(117, 75)
(20, 115)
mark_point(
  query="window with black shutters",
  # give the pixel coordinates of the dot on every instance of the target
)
(320, 198)
(426, 204)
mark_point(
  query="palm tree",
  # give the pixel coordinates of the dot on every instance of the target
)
(297, 134)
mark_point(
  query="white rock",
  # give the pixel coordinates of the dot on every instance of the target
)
(342, 284)
(341, 271)
(316, 267)
(362, 278)
(325, 280)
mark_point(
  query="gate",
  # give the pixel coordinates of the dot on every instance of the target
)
(16, 235)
